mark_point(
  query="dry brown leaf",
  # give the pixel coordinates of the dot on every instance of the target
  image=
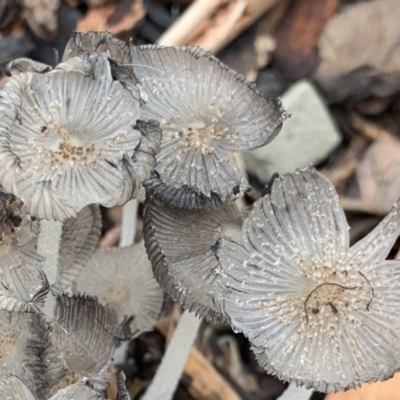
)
(298, 35)
(388, 390)
(378, 173)
(114, 18)
(42, 17)
(360, 52)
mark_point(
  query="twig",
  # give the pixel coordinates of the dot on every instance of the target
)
(253, 12)
(206, 382)
(197, 12)
(368, 129)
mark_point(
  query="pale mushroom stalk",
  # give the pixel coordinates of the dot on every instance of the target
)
(170, 370)
(129, 216)
(49, 247)
(294, 392)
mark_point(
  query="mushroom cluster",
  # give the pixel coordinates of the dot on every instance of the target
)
(112, 120)
(88, 134)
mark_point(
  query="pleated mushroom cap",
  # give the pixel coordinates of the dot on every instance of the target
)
(317, 312)
(206, 111)
(23, 340)
(77, 391)
(115, 50)
(84, 336)
(122, 278)
(79, 240)
(181, 245)
(23, 284)
(12, 388)
(72, 137)
(81, 43)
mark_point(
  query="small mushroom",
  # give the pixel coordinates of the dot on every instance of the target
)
(72, 137)
(84, 336)
(182, 246)
(122, 278)
(202, 123)
(317, 312)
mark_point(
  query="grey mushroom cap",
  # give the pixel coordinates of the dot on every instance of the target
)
(79, 240)
(122, 393)
(316, 311)
(23, 284)
(77, 391)
(86, 43)
(181, 245)
(73, 137)
(206, 111)
(27, 65)
(84, 336)
(122, 278)
(12, 388)
(117, 52)
(23, 340)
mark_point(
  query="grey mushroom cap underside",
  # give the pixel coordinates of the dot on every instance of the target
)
(79, 240)
(27, 65)
(85, 138)
(12, 388)
(122, 278)
(24, 340)
(84, 336)
(182, 244)
(77, 391)
(316, 312)
(23, 284)
(201, 122)
(184, 197)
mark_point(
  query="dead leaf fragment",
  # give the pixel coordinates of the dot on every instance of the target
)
(42, 17)
(298, 35)
(360, 52)
(114, 18)
(378, 173)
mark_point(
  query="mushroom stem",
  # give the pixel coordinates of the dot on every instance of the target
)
(48, 246)
(170, 370)
(294, 392)
(129, 213)
(128, 231)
